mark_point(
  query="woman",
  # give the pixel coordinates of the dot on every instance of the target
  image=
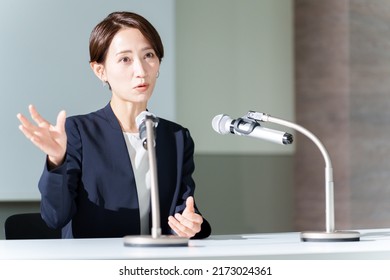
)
(96, 179)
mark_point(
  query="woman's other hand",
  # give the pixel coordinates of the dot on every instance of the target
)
(50, 139)
(188, 223)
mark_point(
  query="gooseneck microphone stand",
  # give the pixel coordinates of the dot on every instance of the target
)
(155, 239)
(330, 235)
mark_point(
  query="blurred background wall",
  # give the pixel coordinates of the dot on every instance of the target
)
(342, 93)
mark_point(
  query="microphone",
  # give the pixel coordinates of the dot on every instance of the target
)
(223, 124)
(140, 120)
(249, 126)
(147, 123)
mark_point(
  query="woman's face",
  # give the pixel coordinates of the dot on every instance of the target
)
(131, 66)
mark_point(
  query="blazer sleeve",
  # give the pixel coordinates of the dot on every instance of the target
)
(58, 186)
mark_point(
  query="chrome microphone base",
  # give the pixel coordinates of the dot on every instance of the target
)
(335, 236)
(150, 241)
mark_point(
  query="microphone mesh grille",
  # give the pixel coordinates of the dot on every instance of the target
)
(219, 123)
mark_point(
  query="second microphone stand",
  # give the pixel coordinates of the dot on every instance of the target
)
(330, 234)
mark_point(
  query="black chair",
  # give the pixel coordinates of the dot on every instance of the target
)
(29, 226)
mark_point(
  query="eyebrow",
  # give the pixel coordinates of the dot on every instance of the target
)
(130, 51)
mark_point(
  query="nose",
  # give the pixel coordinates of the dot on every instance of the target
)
(139, 68)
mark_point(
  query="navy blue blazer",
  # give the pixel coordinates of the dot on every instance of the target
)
(93, 194)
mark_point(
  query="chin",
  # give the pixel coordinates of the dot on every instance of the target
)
(140, 99)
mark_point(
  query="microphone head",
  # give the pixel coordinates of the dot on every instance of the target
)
(221, 124)
(140, 119)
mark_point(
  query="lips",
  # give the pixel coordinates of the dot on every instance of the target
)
(142, 87)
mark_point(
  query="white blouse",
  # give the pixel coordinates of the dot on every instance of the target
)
(140, 163)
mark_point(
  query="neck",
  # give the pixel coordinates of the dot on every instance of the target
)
(126, 114)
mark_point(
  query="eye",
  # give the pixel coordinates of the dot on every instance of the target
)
(150, 55)
(125, 59)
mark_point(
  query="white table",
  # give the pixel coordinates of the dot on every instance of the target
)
(374, 244)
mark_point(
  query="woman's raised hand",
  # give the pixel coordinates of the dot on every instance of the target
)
(50, 139)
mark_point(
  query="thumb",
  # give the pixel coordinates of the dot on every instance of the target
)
(190, 204)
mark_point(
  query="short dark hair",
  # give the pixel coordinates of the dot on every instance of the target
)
(104, 32)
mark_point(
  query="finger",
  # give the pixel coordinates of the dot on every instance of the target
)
(184, 224)
(172, 224)
(24, 121)
(190, 204)
(26, 132)
(21, 118)
(32, 136)
(179, 228)
(26, 126)
(191, 221)
(39, 120)
(61, 118)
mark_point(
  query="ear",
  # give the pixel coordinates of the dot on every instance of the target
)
(98, 69)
